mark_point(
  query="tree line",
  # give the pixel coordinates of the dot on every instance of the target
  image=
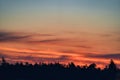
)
(57, 71)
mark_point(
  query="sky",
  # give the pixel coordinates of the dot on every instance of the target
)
(79, 31)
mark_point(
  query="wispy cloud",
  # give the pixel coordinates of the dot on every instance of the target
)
(106, 35)
(82, 46)
(62, 58)
(71, 52)
(29, 37)
(12, 36)
(106, 56)
(39, 34)
(46, 41)
(50, 42)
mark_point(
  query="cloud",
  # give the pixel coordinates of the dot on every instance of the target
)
(11, 36)
(106, 56)
(50, 40)
(25, 37)
(34, 57)
(68, 51)
(82, 46)
(106, 35)
(43, 34)
(61, 58)
(47, 41)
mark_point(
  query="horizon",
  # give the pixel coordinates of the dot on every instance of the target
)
(3, 62)
(79, 31)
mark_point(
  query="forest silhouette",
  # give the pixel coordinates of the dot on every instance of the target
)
(57, 71)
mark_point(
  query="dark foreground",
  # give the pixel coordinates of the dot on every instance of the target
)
(56, 71)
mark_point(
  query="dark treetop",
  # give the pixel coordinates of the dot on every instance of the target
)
(57, 71)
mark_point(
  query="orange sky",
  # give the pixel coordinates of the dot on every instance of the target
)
(79, 31)
(31, 47)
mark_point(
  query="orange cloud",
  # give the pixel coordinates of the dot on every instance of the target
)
(49, 48)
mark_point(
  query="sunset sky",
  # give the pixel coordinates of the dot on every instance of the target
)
(79, 31)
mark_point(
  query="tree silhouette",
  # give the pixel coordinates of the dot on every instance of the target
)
(3, 60)
(57, 71)
(112, 65)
